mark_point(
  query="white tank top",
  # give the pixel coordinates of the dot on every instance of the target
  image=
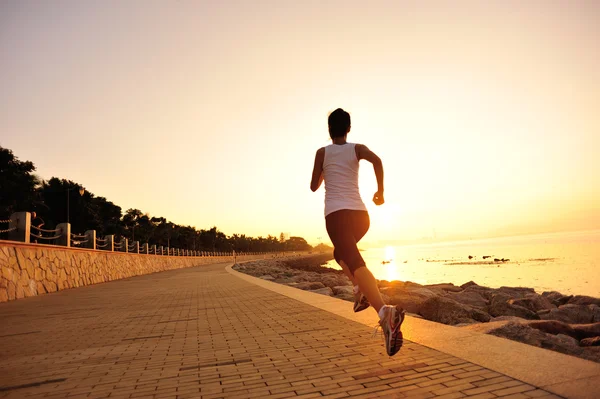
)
(340, 172)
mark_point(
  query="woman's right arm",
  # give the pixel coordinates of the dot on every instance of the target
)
(362, 152)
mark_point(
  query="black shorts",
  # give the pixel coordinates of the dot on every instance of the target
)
(345, 228)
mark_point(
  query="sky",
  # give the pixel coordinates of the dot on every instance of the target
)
(485, 113)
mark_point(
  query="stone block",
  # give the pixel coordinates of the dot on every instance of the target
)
(50, 286)
(20, 292)
(3, 295)
(12, 291)
(40, 288)
(7, 273)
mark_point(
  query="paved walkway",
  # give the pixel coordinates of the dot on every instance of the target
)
(205, 333)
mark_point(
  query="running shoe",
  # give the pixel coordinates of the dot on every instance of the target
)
(390, 325)
(360, 302)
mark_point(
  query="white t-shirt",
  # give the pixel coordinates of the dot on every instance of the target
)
(340, 172)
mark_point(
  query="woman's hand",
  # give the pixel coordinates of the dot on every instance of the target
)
(378, 198)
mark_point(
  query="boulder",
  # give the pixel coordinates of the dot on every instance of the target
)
(409, 297)
(445, 287)
(485, 292)
(314, 285)
(343, 289)
(469, 284)
(410, 303)
(447, 311)
(573, 314)
(533, 302)
(587, 330)
(516, 292)
(584, 300)
(556, 298)
(471, 298)
(531, 336)
(500, 306)
(333, 280)
(323, 291)
(554, 327)
(509, 318)
(595, 341)
(345, 297)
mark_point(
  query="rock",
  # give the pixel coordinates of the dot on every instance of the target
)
(345, 297)
(423, 292)
(471, 298)
(267, 277)
(573, 314)
(343, 289)
(509, 318)
(11, 291)
(584, 300)
(314, 285)
(323, 291)
(7, 273)
(587, 330)
(50, 286)
(533, 302)
(3, 295)
(448, 311)
(410, 297)
(469, 284)
(531, 336)
(556, 298)
(410, 303)
(445, 287)
(554, 327)
(500, 306)
(516, 292)
(485, 292)
(333, 280)
(595, 341)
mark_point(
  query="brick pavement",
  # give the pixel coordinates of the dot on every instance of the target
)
(204, 333)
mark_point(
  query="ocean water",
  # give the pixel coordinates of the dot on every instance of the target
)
(565, 262)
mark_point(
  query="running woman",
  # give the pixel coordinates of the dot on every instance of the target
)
(347, 220)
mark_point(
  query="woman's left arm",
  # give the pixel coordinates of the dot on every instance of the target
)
(317, 175)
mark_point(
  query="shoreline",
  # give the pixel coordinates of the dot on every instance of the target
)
(568, 324)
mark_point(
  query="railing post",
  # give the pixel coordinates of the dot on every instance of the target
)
(110, 243)
(21, 222)
(64, 231)
(161, 250)
(145, 248)
(124, 245)
(90, 238)
(136, 247)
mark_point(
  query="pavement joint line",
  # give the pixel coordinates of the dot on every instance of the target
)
(219, 364)
(173, 321)
(24, 333)
(148, 337)
(304, 331)
(31, 384)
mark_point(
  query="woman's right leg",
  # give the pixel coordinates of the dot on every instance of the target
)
(341, 227)
(344, 267)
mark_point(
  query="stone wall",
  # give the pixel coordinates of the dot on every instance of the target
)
(32, 269)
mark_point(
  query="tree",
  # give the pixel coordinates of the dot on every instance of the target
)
(18, 185)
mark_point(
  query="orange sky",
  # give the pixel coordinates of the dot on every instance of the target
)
(484, 113)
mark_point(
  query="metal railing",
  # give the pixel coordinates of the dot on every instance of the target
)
(20, 229)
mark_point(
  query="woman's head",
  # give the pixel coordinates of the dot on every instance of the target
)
(339, 123)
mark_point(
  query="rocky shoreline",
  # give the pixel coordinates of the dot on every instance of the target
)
(568, 324)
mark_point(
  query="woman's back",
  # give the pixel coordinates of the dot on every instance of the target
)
(340, 173)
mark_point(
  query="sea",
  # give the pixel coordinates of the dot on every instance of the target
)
(565, 262)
